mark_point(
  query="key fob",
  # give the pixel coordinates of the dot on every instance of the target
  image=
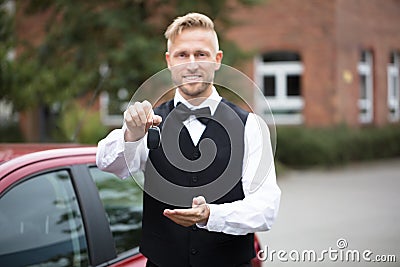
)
(153, 137)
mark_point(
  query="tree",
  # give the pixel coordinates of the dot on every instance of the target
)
(7, 42)
(80, 36)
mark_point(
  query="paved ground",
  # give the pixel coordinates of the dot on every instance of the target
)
(359, 203)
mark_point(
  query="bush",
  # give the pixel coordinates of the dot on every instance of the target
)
(303, 147)
(10, 133)
(84, 123)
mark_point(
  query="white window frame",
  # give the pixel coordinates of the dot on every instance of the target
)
(393, 80)
(106, 118)
(281, 102)
(6, 112)
(366, 105)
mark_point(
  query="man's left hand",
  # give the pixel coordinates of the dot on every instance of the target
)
(199, 213)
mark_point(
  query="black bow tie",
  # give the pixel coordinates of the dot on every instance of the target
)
(182, 112)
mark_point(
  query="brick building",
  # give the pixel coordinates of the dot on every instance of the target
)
(323, 63)
(318, 62)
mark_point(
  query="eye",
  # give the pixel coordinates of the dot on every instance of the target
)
(201, 54)
(181, 55)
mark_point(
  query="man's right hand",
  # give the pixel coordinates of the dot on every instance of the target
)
(138, 118)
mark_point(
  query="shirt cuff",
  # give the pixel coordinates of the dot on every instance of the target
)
(132, 146)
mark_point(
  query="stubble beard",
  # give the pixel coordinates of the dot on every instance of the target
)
(195, 89)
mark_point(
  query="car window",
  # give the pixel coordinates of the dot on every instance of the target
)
(122, 201)
(41, 224)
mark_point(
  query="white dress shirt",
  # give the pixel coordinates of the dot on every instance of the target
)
(256, 212)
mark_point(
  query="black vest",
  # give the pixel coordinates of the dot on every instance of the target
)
(168, 244)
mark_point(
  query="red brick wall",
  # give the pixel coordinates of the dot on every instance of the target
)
(329, 35)
(373, 25)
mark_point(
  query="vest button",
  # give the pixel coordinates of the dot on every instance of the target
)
(196, 155)
(194, 179)
(193, 251)
(194, 227)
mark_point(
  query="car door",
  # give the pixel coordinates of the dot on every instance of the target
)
(41, 223)
(122, 202)
(64, 211)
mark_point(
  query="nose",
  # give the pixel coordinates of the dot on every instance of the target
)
(192, 65)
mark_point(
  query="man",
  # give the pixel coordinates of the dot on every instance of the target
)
(218, 229)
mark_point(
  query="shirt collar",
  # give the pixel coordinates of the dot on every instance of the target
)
(212, 101)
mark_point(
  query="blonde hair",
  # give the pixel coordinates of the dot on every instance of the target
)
(190, 20)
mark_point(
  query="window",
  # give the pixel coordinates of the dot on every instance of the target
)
(122, 201)
(278, 75)
(269, 85)
(393, 73)
(293, 85)
(41, 224)
(365, 101)
(112, 106)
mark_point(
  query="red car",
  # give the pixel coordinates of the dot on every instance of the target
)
(58, 209)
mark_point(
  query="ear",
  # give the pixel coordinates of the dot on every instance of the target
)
(167, 59)
(218, 59)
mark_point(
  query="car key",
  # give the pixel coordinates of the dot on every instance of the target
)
(153, 137)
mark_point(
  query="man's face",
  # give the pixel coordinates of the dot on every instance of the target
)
(192, 59)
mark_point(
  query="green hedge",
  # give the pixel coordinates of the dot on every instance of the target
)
(10, 133)
(74, 117)
(303, 147)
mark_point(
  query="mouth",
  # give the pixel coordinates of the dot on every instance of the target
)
(192, 77)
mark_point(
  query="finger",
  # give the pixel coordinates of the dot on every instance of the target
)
(150, 116)
(180, 216)
(183, 220)
(133, 115)
(149, 121)
(141, 114)
(168, 211)
(171, 214)
(157, 119)
(197, 201)
(130, 122)
(178, 212)
(148, 109)
(192, 214)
